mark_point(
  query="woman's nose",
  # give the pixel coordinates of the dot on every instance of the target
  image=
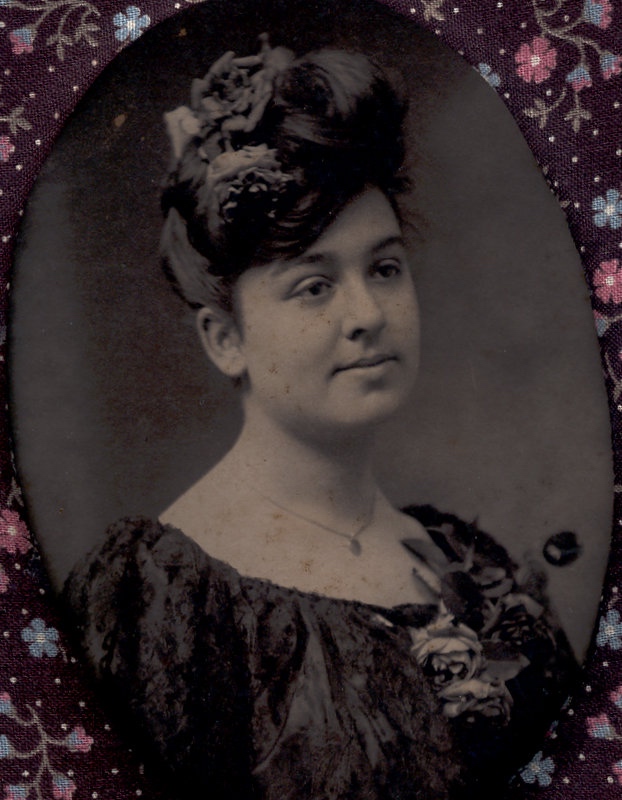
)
(363, 313)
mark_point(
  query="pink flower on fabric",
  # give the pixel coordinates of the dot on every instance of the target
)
(78, 741)
(608, 281)
(610, 65)
(600, 727)
(13, 533)
(617, 771)
(579, 78)
(63, 788)
(536, 60)
(21, 41)
(7, 148)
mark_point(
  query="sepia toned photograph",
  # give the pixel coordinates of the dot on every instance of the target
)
(308, 409)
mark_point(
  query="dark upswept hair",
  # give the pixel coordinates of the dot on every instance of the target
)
(335, 122)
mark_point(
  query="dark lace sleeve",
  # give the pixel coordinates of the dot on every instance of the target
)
(516, 645)
(156, 621)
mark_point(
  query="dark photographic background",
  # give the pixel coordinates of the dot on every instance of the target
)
(115, 408)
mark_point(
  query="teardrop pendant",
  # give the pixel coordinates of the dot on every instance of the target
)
(355, 547)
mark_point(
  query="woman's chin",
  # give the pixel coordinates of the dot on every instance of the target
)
(369, 413)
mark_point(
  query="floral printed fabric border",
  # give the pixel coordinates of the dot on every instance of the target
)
(558, 66)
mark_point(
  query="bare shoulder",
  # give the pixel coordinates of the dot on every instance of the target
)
(210, 507)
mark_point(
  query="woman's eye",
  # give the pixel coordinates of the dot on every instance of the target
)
(389, 268)
(313, 288)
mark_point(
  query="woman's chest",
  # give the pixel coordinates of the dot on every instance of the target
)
(328, 672)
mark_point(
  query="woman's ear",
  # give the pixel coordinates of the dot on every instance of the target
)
(221, 340)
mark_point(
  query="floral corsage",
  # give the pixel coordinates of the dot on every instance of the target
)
(476, 644)
(466, 680)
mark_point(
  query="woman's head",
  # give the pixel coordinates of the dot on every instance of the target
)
(270, 151)
(326, 343)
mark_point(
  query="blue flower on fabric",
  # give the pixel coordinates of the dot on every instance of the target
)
(22, 40)
(6, 750)
(602, 323)
(6, 706)
(608, 210)
(62, 788)
(610, 630)
(486, 72)
(610, 65)
(78, 741)
(579, 78)
(539, 769)
(16, 791)
(600, 727)
(598, 12)
(550, 734)
(41, 639)
(130, 24)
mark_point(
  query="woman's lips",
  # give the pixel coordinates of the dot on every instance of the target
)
(369, 362)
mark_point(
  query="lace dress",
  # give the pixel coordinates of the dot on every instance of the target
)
(238, 688)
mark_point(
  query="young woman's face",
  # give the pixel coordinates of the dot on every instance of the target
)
(330, 340)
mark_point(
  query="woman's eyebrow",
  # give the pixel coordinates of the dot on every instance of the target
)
(303, 260)
(310, 258)
(389, 242)
(327, 257)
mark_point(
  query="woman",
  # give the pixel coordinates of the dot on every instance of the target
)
(302, 638)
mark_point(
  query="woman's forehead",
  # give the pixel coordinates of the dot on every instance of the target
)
(365, 226)
(366, 218)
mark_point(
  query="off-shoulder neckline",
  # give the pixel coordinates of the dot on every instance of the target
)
(241, 578)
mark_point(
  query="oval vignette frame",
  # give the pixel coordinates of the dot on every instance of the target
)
(549, 130)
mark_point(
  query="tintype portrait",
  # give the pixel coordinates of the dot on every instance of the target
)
(281, 364)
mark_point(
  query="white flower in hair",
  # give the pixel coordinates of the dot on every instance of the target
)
(181, 125)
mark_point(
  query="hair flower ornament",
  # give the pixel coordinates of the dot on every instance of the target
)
(230, 99)
(216, 143)
(236, 90)
(182, 126)
(266, 150)
(254, 169)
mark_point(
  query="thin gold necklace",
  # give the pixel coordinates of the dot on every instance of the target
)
(352, 538)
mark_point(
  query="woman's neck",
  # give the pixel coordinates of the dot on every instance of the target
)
(281, 508)
(329, 476)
